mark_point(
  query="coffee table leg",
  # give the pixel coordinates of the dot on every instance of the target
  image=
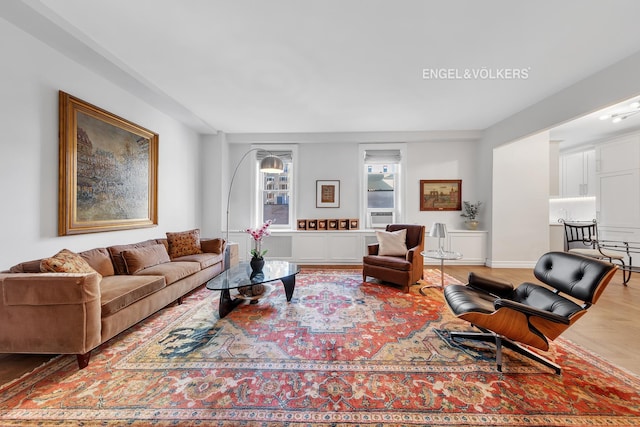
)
(227, 304)
(289, 286)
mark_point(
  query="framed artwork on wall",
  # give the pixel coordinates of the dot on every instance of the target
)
(108, 171)
(327, 194)
(441, 195)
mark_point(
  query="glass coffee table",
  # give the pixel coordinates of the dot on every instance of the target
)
(240, 276)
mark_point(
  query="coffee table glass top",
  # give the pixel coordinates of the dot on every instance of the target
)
(240, 275)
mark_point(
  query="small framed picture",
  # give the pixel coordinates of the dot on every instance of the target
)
(327, 194)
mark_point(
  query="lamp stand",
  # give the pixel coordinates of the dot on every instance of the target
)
(276, 167)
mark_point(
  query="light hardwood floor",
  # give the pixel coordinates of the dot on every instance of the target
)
(610, 329)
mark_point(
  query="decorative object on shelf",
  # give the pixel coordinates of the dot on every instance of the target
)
(328, 224)
(269, 164)
(99, 153)
(328, 194)
(440, 194)
(439, 230)
(471, 211)
(257, 254)
(252, 291)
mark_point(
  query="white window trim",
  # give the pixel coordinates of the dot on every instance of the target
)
(256, 207)
(401, 183)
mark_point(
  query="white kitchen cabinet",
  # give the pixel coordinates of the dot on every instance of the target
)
(619, 154)
(618, 187)
(578, 173)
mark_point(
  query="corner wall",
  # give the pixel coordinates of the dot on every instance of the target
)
(32, 74)
(611, 85)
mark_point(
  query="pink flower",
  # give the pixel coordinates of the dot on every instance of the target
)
(257, 235)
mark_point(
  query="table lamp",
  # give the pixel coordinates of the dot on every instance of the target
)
(439, 230)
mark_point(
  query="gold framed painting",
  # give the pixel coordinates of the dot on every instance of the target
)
(108, 171)
(441, 195)
(327, 194)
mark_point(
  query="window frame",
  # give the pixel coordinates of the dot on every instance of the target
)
(257, 207)
(399, 182)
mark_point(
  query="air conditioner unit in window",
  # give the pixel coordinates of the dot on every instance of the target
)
(380, 219)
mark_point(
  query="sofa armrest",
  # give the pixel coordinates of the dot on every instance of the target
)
(50, 312)
(215, 246)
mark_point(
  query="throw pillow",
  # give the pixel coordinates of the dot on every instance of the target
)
(99, 260)
(65, 261)
(184, 243)
(141, 258)
(393, 243)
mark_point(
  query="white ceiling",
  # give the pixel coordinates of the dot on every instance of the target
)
(244, 66)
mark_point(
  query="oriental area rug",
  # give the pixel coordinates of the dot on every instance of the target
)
(341, 353)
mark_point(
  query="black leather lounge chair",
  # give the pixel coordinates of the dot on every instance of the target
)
(531, 313)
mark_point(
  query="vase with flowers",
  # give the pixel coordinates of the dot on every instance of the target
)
(257, 254)
(471, 213)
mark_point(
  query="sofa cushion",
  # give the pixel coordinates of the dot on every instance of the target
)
(184, 243)
(212, 245)
(394, 262)
(141, 258)
(205, 259)
(119, 291)
(65, 261)
(99, 260)
(171, 271)
(27, 267)
(393, 243)
(116, 254)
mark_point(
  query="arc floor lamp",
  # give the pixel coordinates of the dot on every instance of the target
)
(269, 164)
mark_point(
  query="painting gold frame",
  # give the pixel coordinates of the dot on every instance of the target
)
(108, 171)
(441, 195)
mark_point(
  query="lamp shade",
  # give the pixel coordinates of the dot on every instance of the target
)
(438, 229)
(271, 164)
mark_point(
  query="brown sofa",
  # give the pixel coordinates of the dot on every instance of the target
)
(73, 313)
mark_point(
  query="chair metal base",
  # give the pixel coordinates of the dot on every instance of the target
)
(501, 341)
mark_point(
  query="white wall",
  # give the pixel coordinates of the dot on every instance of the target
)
(611, 85)
(444, 159)
(520, 220)
(32, 74)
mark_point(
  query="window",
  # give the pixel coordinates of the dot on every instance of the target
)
(275, 196)
(382, 185)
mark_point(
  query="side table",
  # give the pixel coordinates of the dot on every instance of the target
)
(442, 256)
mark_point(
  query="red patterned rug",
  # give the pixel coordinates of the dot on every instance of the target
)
(342, 353)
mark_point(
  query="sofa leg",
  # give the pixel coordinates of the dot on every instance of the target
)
(83, 359)
(180, 300)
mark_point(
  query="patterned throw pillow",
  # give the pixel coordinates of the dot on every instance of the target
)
(65, 261)
(184, 243)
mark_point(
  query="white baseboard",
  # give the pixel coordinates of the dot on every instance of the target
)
(511, 264)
